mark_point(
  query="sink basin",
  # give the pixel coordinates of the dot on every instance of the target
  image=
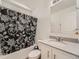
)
(63, 43)
(56, 43)
(59, 43)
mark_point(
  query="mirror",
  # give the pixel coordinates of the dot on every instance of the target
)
(64, 17)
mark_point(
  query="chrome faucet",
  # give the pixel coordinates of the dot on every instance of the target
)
(59, 39)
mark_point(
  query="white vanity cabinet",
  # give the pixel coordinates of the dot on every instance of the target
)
(45, 51)
(49, 52)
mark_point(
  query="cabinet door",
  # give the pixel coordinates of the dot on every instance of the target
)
(63, 55)
(45, 51)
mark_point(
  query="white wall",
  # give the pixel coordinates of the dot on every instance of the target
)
(67, 19)
(42, 12)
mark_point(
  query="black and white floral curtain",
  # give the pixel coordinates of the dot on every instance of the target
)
(17, 30)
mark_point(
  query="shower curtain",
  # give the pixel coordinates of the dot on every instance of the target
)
(17, 30)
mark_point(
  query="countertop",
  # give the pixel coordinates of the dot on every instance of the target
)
(72, 48)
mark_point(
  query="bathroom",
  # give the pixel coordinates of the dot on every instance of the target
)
(39, 29)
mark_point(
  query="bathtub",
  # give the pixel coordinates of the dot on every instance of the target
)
(21, 54)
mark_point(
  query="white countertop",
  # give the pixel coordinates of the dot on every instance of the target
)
(72, 48)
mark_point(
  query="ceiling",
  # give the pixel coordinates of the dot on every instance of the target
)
(62, 5)
(35, 3)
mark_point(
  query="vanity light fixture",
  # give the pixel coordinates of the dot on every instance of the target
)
(54, 2)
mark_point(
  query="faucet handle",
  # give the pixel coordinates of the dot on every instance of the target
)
(59, 39)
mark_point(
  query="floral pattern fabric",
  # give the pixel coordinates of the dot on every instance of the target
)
(17, 30)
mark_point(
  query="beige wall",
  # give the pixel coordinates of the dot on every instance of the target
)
(42, 12)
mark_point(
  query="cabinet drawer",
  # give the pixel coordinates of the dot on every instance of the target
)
(45, 51)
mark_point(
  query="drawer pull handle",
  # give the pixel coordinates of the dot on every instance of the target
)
(54, 56)
(48, 54)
